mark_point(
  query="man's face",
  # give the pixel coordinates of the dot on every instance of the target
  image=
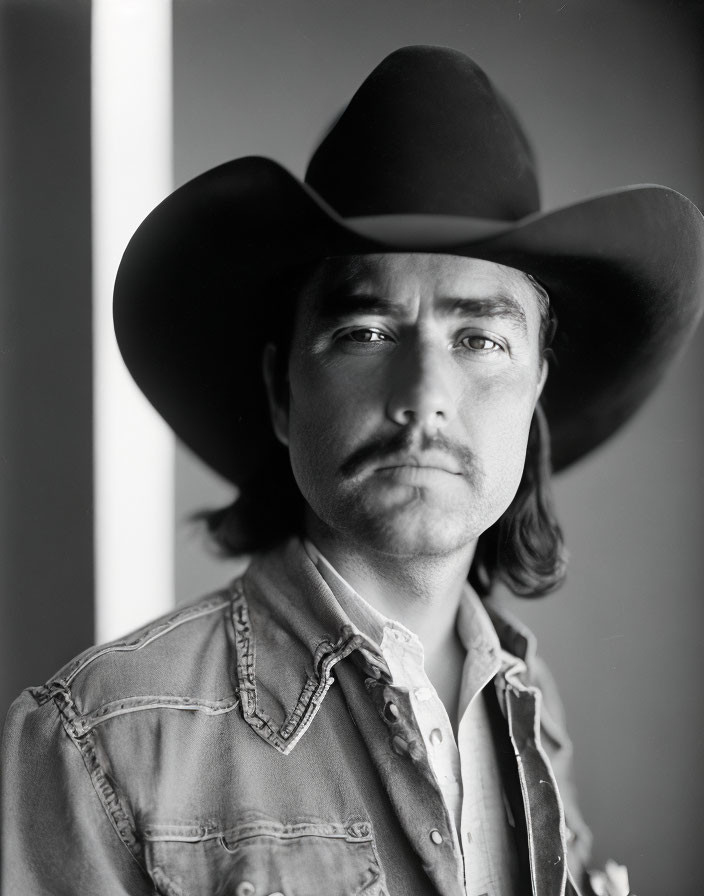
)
(412, 381)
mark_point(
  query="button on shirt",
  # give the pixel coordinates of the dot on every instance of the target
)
(465, 768)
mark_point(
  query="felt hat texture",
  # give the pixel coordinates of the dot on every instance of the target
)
(427, 157)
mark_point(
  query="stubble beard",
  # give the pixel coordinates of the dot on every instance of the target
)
(411, 527)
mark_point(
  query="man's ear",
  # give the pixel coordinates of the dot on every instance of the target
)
(277, 391)
(542, 379)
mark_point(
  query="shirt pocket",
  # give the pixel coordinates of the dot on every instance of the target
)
(265, 858)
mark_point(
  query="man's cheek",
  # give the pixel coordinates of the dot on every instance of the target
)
(315, 448)
(502, 438)
(505, 402)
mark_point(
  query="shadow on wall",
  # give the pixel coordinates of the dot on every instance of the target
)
(46, 517)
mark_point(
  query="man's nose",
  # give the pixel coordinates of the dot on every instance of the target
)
(420, 386)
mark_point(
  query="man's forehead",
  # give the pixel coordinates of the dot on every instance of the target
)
(446, 273)
(383, 282)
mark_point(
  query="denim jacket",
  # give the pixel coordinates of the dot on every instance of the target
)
(240, 747)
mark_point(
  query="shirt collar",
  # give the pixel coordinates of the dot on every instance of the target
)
(370, 621)
(311, 599)
(485, 631)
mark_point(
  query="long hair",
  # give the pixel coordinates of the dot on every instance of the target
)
(524, 548)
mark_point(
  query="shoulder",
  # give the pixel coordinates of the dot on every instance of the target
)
(179, 656)
(188, 658)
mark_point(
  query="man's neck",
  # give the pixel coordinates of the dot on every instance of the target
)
(422, 592)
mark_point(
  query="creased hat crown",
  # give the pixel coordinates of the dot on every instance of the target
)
(426, 133)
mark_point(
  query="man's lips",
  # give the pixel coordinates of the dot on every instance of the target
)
(439, 462)
(413, 453)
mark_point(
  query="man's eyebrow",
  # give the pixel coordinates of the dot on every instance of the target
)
(497, 305)
(339, 302)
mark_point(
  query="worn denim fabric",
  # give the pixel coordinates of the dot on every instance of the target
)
(241, 747)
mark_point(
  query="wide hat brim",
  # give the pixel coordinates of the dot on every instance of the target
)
(195, 303)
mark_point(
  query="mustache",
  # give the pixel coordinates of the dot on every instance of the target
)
(382, 449)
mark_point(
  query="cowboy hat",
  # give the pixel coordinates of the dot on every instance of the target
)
(427, 157)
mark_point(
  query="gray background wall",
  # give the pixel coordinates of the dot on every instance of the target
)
(612, 93)
(46, 476)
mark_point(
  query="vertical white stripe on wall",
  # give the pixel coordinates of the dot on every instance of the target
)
(134, 452)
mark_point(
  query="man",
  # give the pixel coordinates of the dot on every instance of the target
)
(355, 715)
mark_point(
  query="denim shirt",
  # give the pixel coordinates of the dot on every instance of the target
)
(463, 759)
(241, 747)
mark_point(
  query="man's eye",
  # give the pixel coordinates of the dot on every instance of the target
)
(366, 334)
(481, 344)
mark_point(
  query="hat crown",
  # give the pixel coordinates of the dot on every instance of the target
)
(426, 133)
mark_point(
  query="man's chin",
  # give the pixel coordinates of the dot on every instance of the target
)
(412, 527)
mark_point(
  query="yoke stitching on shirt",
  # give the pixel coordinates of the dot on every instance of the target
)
(152, 633)
(137, 704)
(118, 815)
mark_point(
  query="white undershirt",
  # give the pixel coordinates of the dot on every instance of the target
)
(466, 769)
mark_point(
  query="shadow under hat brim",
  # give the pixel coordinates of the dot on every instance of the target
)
(207, 280)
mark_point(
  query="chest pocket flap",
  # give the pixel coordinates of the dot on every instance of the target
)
(266, 858)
